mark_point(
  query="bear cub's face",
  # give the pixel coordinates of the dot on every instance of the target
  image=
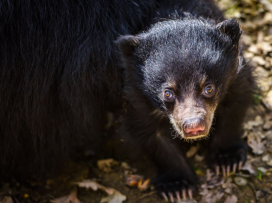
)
(184, 68)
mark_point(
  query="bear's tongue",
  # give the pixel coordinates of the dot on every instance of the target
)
(194, 130)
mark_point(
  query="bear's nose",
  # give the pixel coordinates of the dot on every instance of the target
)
(193, 127)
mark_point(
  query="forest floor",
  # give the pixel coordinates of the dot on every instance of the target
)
(122, 176)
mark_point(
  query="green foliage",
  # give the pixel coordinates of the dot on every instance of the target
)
(260, 175)
(257, 98)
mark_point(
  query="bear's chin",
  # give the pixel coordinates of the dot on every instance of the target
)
(195, 137)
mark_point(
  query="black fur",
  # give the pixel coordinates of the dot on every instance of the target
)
(60, 73)
(179, 53)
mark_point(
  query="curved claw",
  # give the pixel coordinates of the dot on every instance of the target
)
(176, 189)
(164, 196)
(234, 168)
(228, 170)
(190, 193)
(178, 196)
(240, 165)
(171, 197)
(184, 194)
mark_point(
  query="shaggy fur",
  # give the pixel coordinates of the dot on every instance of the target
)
(59, 74)
(185, 54)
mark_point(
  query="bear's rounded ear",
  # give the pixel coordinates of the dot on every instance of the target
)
(127, 45)
(231, 28)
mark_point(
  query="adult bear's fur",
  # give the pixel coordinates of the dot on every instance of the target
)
(59, 74)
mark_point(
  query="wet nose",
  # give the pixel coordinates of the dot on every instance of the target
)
(194, 127)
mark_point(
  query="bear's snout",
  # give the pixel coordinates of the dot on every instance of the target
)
(193, 127)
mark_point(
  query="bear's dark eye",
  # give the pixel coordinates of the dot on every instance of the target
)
(169, 95)
(209, 91)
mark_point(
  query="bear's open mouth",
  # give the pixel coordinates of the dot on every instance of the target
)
(194, 133)
(191, 137)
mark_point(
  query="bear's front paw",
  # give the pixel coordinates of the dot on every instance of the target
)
(226, 160)
(174, 185)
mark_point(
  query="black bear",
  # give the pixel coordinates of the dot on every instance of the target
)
(60, 72)
(186, 74)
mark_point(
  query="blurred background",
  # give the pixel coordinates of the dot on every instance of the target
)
(255, 18)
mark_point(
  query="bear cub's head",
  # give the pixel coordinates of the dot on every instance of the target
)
(184, 69)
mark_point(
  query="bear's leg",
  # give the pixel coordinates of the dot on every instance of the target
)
(176, 177)
(227, 151)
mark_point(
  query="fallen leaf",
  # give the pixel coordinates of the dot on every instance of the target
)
(214, 181)
(248, 167)
(90, 184)
(228, 185)
(261, 72)
(257, 122)
(267, 4)
(132, 180)
(212, 196)
(144, 185)
(268, 135)
(115, 197)
(231, 199)
(268, 99)
(267, 125)
(253, 49)
(269, 163)
(94, 186)
(71, 198)
(258, 60)
(266, 158)
(262, 169)
(106, 164)
(209, 191)
(255, 144)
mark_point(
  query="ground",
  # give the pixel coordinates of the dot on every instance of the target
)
(253, 184)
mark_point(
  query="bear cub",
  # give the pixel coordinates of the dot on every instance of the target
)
(185, 78)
